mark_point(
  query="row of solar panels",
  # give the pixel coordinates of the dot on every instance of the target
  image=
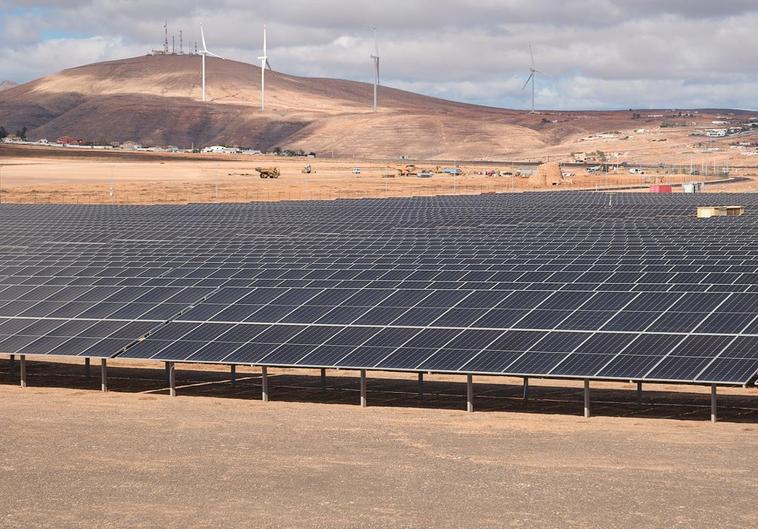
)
(675, 312)
(722, 359)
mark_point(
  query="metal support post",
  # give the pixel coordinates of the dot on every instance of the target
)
(103, 374)
(586, 399)
(171, 378)
(714, 404)
(470, 393)
(264, 384)
(363, 388)
(22, 362)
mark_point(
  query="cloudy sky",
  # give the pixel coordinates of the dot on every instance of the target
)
(595, 54)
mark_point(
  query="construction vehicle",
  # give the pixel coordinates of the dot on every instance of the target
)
(407, 170)
(308, 170)
(425, 173)
(268, 172)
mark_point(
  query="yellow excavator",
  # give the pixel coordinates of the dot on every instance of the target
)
(268, 172)
(407, 170)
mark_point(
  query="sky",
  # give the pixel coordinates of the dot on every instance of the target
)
(592, 54)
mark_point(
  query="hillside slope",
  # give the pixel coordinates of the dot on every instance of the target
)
(155, 100)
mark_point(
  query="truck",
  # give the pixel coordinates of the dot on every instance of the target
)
(268, 172)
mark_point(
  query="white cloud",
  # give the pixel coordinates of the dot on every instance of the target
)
(597, 53)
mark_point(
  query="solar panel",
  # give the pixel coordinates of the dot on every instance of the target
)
(477, 284)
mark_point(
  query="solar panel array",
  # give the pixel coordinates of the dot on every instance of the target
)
(629, 287)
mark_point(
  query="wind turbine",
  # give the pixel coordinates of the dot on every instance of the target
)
(375, 58)
(264, 64)
(203, 53)
(532, 76)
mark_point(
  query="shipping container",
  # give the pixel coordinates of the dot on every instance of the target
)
(660, 188)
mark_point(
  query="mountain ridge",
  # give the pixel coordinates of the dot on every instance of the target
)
(155, 100)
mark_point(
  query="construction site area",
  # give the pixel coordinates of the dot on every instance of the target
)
(45, 175)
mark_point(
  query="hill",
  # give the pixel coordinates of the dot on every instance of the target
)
(5, 85)
(155, 100)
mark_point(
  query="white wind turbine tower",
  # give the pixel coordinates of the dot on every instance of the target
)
(264, 64)
(203, 53)
(375, 58)
(532, 76)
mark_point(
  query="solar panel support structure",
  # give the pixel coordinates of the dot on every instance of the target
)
(233, 374)
(103, 374)
(363, 389)
(714, 404)
(323, 379)
(13, 364)
(264, 383)
(470, 393)
(421, 386)
(22, 364)
(168, 372)
(586, 399)
(171, 378)
(639, 392)
(87, 368)
(526, 389)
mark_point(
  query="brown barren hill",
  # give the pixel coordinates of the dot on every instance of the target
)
(156, 101)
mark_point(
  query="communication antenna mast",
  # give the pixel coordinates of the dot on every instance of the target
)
(181, 43)
(165, 37)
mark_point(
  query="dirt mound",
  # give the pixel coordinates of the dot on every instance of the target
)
(547, 174)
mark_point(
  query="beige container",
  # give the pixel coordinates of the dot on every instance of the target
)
(705, 212)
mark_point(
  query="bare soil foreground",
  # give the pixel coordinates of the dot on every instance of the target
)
(216, 456)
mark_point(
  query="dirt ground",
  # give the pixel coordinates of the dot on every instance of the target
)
(216, 456)
(52, 176)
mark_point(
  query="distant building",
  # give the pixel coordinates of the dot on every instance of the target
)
(220, 149)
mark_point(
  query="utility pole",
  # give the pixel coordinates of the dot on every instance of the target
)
(181, 43)
(165, 37)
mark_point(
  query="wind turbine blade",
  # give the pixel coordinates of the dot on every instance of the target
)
(264, 40)
(531, 52)
(268, 65)
(202, 37)
(214, 55)
(527, 81)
